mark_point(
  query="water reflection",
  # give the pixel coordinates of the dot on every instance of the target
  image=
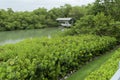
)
(8, 37)
(10, 41)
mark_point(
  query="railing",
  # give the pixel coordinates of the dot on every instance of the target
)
(116, 76)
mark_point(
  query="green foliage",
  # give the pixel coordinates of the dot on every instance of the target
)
(77, 12)
(102, 24)
(50, 59)
(107, 70)
(38, 18)
(20, 20)
(109, 7)
(99, 25)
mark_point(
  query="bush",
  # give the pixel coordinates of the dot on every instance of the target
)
(100, 25)
(107, 70)
(50, 59)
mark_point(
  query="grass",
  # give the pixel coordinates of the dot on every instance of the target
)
(82, 73)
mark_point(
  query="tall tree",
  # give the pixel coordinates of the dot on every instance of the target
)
(109, 7)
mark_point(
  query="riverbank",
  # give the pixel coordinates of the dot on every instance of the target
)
(8, 37)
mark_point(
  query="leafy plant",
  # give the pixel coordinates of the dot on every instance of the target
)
(107, 70)
(50, 59)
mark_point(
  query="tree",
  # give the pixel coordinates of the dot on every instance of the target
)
(100, 24)
(77, 12)
(109, 7)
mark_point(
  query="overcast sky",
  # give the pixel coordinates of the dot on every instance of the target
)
(22, 5)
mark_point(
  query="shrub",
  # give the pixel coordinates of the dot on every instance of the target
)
(107, 70)
(100, 25)
(50, 59)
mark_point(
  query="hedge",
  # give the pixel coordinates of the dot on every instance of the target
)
(50, 59)
(107, 70)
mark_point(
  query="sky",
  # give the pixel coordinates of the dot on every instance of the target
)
(29, 5)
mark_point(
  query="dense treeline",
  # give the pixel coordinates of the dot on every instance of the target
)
(103, 18)
(88, 18)
(39, 18)
(109, 7)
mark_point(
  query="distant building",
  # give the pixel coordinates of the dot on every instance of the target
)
(65, 22)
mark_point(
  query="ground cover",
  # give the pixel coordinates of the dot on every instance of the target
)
(50, 58)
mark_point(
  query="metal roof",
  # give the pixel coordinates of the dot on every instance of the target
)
(63, 19)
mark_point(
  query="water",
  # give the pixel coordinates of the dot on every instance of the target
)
(10, 37)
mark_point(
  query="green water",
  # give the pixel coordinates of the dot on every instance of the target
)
(8, 37)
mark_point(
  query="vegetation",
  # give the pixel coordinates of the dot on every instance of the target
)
(99, 25)
(84, 71)
(54, 58)
(109, 7)
(107, 70)
(50, 59)
(39, 18)
(100, 20)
